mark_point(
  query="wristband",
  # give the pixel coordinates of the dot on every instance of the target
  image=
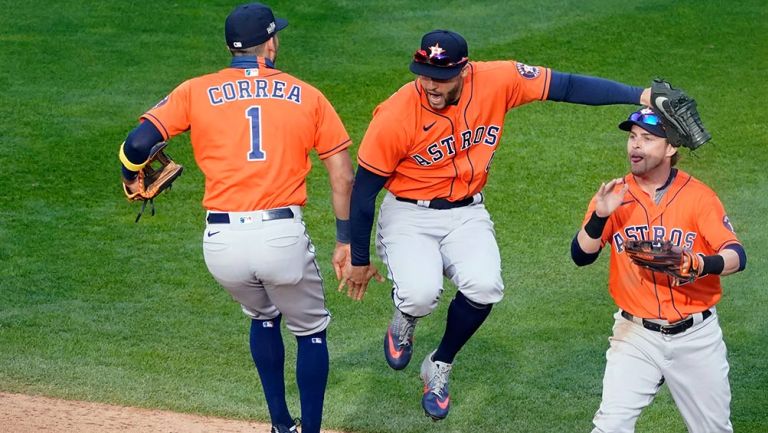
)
(343, 231)
(595, 226)
(713, 265)
(127, 162)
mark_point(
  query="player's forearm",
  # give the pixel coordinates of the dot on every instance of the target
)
(339, 168)
(361, 213)
(137, 148)
(734, 259)
(588, 244)
(586, 90)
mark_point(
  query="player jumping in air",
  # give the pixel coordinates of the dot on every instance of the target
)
(431, 145)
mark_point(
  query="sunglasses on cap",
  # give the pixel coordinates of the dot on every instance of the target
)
(647, 118)
(439, 60)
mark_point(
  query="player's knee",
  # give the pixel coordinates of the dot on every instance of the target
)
(614, 422)
(302, 326)
(484, 290)
(417, 303)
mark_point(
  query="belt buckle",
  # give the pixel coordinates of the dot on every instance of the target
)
(666, 329)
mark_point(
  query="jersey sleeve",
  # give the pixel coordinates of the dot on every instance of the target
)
(330, 136)
(385, 142)
(714, 225)
(171, 115)
(526, 83)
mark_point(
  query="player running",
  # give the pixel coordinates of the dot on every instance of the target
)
(431, 145)
(663, 332)
(252, 129)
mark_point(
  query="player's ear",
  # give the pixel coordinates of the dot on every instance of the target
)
(671, 150)
(464, 71)
(270, 47)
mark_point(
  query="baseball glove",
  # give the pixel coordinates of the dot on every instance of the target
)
(156, 176)
(679, 116)
(664, 256)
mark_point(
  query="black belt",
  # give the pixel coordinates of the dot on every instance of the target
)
(441, 203)
(672, 329)
(266, 215)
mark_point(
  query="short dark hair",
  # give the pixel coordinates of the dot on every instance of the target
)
(255, 50)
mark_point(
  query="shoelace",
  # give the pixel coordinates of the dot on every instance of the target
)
(405, 327)
(439, 379)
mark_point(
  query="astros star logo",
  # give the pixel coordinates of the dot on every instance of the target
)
(436, 51)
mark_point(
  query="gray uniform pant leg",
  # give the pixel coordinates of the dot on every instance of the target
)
(269, 267)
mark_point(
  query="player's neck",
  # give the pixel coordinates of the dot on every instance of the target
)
(650, 182)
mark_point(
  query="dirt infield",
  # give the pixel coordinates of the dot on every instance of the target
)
(31, 414)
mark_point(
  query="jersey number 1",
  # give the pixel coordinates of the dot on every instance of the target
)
(253, 114)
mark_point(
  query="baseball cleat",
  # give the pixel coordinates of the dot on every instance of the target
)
(283, 429)
(398, 341)
(436, 400)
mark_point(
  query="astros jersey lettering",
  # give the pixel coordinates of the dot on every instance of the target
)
(690, 215)
(234, 155)
(447, 154)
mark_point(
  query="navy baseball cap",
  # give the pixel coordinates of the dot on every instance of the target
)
(442, 55)
(646, 119)
(250, 25)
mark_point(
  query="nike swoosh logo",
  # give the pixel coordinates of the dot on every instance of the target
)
(443, 404)
(660, 100)
(213, 233)
(393, 352)
(428, 127)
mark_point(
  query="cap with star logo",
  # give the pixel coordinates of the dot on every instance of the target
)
(442, 55)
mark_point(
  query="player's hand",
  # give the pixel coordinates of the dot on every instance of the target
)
(607, 200)
(342, 259)
(645, 97)
(131, 186)
(356, 278)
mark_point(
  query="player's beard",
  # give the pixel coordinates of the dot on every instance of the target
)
(647, 166)
(450, 97)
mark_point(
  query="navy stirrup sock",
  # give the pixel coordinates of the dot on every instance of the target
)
(268, 354)
(312, 377)
(464, 318)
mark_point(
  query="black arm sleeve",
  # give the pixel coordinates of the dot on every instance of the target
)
(138, 145)
(586, 90)
(579, 256)
(361, 212)
(742, 255)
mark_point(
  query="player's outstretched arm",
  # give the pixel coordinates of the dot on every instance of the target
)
(588, 90)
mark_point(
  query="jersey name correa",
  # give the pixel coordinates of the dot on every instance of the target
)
(251, 131)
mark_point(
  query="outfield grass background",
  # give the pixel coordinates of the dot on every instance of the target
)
(94, 307)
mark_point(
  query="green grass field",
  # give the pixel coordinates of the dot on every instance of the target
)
(95, 307)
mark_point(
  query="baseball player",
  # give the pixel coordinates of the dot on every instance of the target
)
(431, 144)
(663, 332)
(252, 129)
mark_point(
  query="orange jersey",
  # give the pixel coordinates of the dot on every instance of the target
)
(431, 154)
(690, 215)
(251, 133)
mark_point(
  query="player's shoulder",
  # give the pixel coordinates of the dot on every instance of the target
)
(294, 80)
(694, 184)
(506, 70)
(402, 102)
